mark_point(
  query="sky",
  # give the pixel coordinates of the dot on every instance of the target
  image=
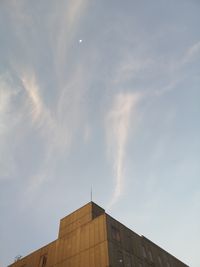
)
(102, 94)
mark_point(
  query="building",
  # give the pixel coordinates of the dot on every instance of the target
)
(89, 237)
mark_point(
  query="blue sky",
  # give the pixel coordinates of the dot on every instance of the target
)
(118, 110)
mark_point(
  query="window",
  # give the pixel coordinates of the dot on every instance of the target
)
(129, 246)
(115, 233)
(128, 261)
(120, 260)
(43, 260)
(150, 256)
(159, 261)
(144, 252)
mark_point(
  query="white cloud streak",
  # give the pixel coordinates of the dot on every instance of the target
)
(32, 89)
(191, 53)
(177, 68)
(49, 127)
(56, 126)
(69, 21)
(131, 67)
(4, 106)
(117, 124)
(41, 116)
(7, 124)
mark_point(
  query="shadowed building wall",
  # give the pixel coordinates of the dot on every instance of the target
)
(89, 237)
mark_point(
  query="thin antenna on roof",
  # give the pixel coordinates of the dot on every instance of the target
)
(91, 194)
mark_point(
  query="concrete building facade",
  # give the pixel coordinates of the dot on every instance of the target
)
(89, 237)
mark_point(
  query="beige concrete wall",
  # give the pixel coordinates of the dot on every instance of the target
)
(79, 217)
(85, 246)
(82, 242)
(33, 259)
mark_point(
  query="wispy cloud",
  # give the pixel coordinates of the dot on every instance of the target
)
(117, 124)
(191, 53)
(87, 134)
(130, 67)
(32, 89)
(7, 124)
(57, 126)
(178, 69)
(47, 125)
(69, 21)
(4, 106)
(40, 114)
